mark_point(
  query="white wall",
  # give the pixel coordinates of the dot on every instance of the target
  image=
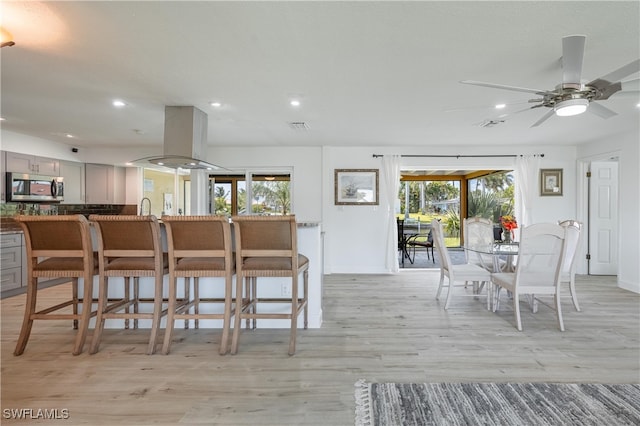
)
(627, 148)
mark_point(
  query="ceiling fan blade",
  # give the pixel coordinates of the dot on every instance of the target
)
(631, 85)
(620, 73)
(485, 107)
(572, 58)
(606, 89)
(600, 110)
(502, 116)
(502, 86)
(544, 118)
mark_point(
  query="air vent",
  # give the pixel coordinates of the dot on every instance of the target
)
(299, 126)
(490, 123)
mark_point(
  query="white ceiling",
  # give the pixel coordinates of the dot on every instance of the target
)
(367, 73)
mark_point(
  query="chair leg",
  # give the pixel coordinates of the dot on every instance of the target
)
(27, 322)
(87, 301)
(294, 315)
(74, 301)
(306, 298)
(449, 294)
(559, 311)
(239, 311)
(102, 305)
(226, 322)
(574, 296)
(157, 313)
(196, 302)
(440, 285)
(516, 310)
(171, 311)
(127, 297)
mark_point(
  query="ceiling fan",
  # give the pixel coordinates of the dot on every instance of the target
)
(572, 96)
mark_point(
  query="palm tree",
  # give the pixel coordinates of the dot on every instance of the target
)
(276, 195)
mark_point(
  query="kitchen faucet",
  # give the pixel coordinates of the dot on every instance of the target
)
(142, 203)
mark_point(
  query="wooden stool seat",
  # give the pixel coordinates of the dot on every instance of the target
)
(129, 246)
(58, 247)
(267, 246)
(199, 246)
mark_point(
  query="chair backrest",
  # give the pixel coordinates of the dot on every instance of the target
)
(400, 225)
(65, 236)
(128, 236)
(572, 241)
(266, 236)
(478, 234)
(540, 255)
(438, 242)
(198, 236)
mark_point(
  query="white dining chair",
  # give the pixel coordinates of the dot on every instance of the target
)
(462, 274)
(478, 236)
(573, 238)
(538, 269)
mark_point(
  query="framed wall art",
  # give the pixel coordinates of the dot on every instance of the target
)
(356, 186)
(550, 182)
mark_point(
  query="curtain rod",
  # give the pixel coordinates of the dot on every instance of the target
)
(456, 156)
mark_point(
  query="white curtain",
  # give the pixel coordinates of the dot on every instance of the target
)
(527, 167)
(391, 176)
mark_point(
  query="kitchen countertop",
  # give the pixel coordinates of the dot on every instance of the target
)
(9, 226)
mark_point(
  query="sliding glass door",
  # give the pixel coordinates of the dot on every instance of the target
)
(451, 196)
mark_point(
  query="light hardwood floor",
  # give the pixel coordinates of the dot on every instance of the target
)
(376, 327)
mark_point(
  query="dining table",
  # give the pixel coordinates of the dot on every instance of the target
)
(501, 255)
(498, 251)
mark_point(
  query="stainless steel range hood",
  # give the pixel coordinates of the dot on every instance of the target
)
(185, 140)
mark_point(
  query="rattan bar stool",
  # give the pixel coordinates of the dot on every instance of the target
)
(199, 246)
(129, 246)
(58, 247)
(267, 246)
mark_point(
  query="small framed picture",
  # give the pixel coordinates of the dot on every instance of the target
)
(356, 186)
(550, 182)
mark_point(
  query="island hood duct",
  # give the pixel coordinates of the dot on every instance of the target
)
(185, 140)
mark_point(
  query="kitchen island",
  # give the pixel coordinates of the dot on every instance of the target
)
(309, 244)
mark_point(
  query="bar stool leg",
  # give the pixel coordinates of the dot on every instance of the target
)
(157, 313)
(27, 322)
(171, 309)
(102, 305)
(87, 301)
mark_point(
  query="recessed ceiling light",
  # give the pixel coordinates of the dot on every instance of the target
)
(294, 102)
(2, 118)
(215, 104)
(69, 135)
(500, 106)
(118, 103)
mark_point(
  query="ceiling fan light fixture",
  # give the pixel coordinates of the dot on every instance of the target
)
(571, 107)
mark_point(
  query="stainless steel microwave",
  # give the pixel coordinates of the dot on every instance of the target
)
(34, 188)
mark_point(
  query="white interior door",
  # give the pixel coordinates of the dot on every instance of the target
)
(603, 218)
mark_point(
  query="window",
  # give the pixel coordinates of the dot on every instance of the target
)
(270, 194)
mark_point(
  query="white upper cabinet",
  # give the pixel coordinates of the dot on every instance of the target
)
(25, 163)
(74, 187)
(105, 184)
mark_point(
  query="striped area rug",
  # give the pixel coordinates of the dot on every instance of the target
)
(513, 404)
